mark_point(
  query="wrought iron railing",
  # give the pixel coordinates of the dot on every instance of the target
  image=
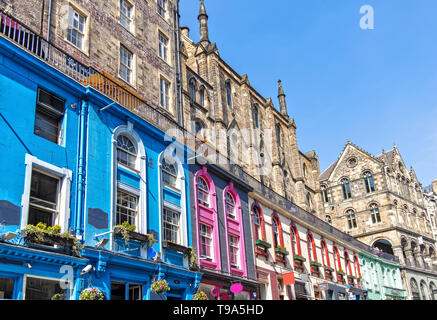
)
(18, 33)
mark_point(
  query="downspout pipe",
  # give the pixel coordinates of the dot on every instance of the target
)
(49, 20)
(81, 168)
(178, 64)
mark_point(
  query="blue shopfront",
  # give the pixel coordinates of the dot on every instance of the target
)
(91, 195)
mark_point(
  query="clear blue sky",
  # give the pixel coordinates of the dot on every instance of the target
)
(374, 87)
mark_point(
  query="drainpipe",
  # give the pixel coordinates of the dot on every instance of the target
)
(178, 65)
(81, 175)
(49, 19)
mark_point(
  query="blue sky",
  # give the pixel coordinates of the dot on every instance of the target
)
(374, 87)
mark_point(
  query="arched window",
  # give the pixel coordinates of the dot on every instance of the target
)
(169, 174)
(275, 226)
(255, 116)
(230, 206)
(432, 289)
(193, 90)
(312, 254)
(414, 289)
(424, 290)
(202, 96)
(347, 263)
(126, 152)
(325, 193)
(207, 221)
(198, 128)
(357, 267)
(351, 219)
(258, 222)
(309, 201)
(229, 93)
(325, 253)
(368, 182)
(305, 170)
(295, 240)
(345, 186)
(203, 192)
(337, 260)
(374, 213)
(234, 231)
(278, 134)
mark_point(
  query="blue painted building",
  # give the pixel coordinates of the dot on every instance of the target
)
(77, 161)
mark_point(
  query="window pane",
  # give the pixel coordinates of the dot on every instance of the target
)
(171, 226)
(126, 207)
(6, 288)
(118, 291)
(42, 289)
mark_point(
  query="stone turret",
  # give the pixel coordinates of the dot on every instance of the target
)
(203, 25)
(282, 101)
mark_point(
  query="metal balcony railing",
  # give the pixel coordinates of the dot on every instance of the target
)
(18, 33)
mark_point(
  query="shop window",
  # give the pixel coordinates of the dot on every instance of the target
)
(6, 288)
(42, 289)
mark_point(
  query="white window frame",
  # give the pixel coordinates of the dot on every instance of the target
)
(65, 177)
(135, 195)
(178, 225)
(210, 237)
(81, 33)
(130, 69)
(163, 48)
(235, 245)
(164, 93)
(130, 7)
(161, 8)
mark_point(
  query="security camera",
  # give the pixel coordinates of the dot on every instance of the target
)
(87, 269)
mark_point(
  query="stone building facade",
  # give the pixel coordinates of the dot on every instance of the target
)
(377, 200)
(242, 124)
(132, 42)
(430, 199)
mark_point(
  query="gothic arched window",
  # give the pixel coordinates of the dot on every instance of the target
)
(368, 182)
(374, 213)
(346, 188)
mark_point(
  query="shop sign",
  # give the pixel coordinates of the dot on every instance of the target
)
(323, 286)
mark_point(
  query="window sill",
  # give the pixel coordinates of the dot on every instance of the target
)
(209, 264)
(76, 47)
(131, 170)
(132, 32)
(238, 272)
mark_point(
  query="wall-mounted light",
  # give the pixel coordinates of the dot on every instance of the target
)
(87, 269)
(28, 265)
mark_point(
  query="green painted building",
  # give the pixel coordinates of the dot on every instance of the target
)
(381, 278)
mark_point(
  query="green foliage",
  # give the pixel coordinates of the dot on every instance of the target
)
(151, 240)
(58, 296)
(125, 228)
(200, 296)
(40, 231)
(192, 258)
(92, 294)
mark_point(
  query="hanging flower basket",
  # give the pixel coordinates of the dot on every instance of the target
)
(160, 286)
(200, 296)
(92, 294)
